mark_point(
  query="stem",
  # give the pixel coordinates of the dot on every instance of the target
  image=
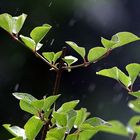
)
(55, 91)
(134, 136)
(59, 73)
(86, 64)
(45, 129)
(40, 56)
(36, 53)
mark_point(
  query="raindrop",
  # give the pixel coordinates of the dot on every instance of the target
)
(72, 22)
(117, 98)
(91, 88)
(16, 87)
(52, 41)
(50, 4)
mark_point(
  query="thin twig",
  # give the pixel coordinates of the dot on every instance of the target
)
(51, 65)
(134, 136)
(36, 53)
(59, 72)
(86, 64)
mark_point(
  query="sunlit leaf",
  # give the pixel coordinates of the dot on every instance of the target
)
(107, 43)
(61, 119)
(32, 127)
(72, 137)
(38, 33)
(123, 38)
(96, 53)
(133, 70)
(56, 134)
(18, 23)
(6, 22)
(44, 104)
(70, 120)
(48, 102)
(30, 43)
(95, 121)
(24, 96)
(38, 46)
(70, 59)
(25, 102)
(87, 134)
(68, 106)
(15, 130)
(57, 56)
(17, 138)
(49, 56)
(116, 128)
(26, 106)
(134, 124)
(80, 50)
(80, 117)
(116, 74)
(12, 24)
(135, 105)
(136, 94)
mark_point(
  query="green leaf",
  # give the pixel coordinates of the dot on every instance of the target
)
(133, 71)
(107, 43)
(80, 117)
(71, 119)
(15, 130)
(72, 137)
(123, 38)
(24, 96)
(116, 128)
(38, 33)
(28, 42)
(25, 102)
(70, 60)
(6, 22)
(18, 23)
(49, 56)
(26, 106)
(38, 46)
(138, 137)
(33, 127)
(80, 50)
(56, 134)
(116, 74)
(87, 134)
(61, 119)
(95, 121)
(68, 106)
(17, 138)
(136, 94)
(135, 105)
(12, 24)
(133, 125)
(45, 103)
(57, 56)
(96, 53)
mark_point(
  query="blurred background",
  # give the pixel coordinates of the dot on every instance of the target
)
(81, 21)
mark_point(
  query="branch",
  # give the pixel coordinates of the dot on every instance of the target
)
(36, 53)
(86, 64)
(134, 136)
(55, 91)
(59, 72)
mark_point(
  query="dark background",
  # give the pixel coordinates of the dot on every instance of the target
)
(81, 21)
